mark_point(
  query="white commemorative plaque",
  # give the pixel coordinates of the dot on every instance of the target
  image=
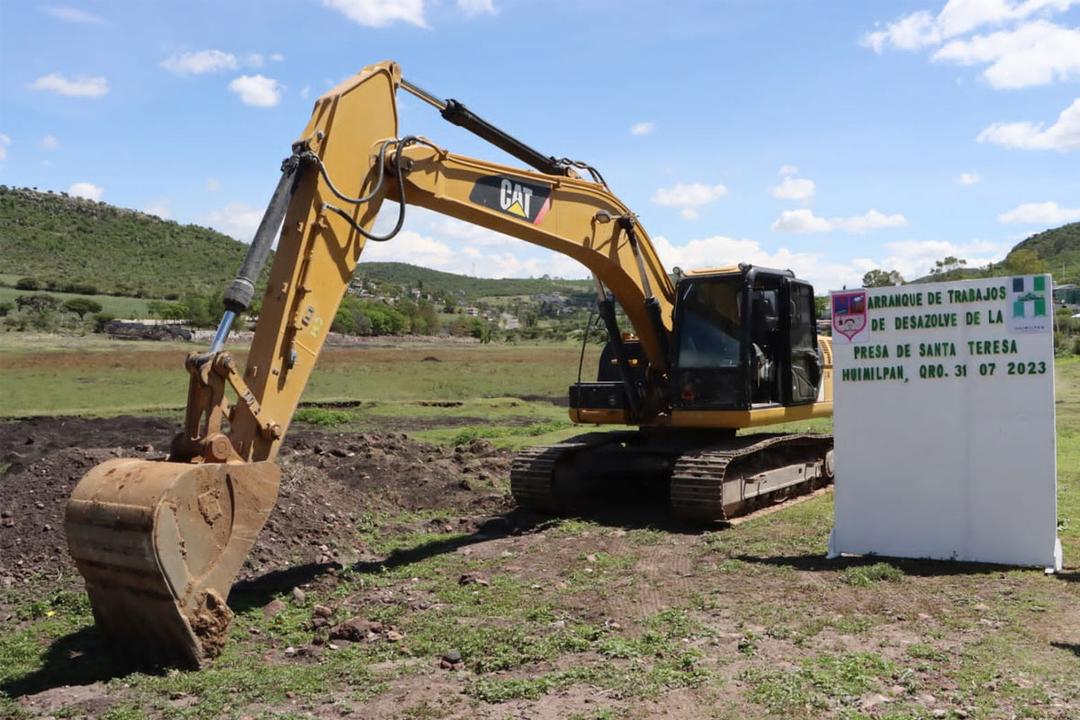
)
(944, 422)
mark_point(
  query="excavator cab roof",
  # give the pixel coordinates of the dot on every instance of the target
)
(739, 269)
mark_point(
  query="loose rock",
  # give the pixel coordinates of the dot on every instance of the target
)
(272, 609)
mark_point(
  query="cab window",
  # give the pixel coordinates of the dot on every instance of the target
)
(710, 332)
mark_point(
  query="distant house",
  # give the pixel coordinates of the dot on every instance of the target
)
(472, 311)
(1067, 294)
(509, 322)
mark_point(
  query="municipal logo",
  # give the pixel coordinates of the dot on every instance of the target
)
(1029, 304)
(523, 200)
(1030, 300)
(849, 313)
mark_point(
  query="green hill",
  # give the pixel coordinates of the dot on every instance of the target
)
(462, 286)
(1059, 249)
(71, 241)
(1056, 251)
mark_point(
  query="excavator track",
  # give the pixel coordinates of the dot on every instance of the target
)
(532, 474)
(723, 481)
(714, 483)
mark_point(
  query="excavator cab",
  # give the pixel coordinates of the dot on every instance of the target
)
(744, 339)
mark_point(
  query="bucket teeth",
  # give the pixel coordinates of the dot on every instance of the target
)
(159, 545)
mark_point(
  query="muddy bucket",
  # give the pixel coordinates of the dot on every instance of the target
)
(160, 544)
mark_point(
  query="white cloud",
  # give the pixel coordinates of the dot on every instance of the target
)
(257, 90)
(642, 128)
(968, 178)
(237, 219)
(50, 142)
(158, 207)
(914, 258)
(277, 57)
(688, 197)
(213, 184)
(200, 62)
(793, 188)
(4, 142)
(305, 91)
(910, 32)
(786, 170)
(420, 249)
(81, 86)
(719, 250)
(73, 15)
(1037, 53)
(412, 247)
(476, 7)
(923, 29)
(467, 233)
(1040, 213)
(804, 221)
(1063, 135)
(86, 190)
(1029, 50)
(380, 13)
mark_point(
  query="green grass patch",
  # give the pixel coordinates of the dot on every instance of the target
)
(922, 651)
(867, 575)
(818, 684)
(488, 432)
(323, 417)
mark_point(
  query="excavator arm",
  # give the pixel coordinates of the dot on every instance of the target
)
(351, 151)
(161, 542)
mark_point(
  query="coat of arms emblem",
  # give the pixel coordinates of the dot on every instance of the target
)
(849, 313)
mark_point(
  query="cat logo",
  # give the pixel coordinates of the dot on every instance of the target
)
(524, 200)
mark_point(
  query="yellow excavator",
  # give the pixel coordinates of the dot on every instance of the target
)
(160, 543)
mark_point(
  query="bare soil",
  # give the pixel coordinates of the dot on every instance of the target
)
(329, 480)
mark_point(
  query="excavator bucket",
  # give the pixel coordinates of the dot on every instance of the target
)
(159, 545)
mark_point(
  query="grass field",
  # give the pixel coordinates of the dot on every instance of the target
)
(588, 618)
(115, 305)
(56, 376)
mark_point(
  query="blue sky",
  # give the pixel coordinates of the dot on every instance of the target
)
(830, 137)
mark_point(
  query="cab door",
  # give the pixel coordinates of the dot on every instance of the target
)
(801, 373)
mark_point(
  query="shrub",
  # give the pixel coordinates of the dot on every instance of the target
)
(167, 310)
(102, 319)
(80, 289)
(39, 303)
(82, 307)
(27, 283)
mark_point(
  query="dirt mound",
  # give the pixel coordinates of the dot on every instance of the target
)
(333, 481)
(41, 459)
(330, 483)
